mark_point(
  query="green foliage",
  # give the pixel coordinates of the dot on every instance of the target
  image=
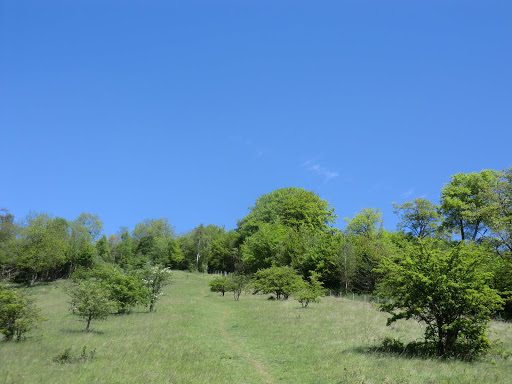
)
(367, 223)
(7, 227)
(90, 301)
(44, 247)
(67, 356)
(265, 248)
(501, 268)
(311, 292)
(156, 228)
(446, 289)
(208, 249)
(175, 257)
(18, 313)
(321, 254)
(420, 218)
(366, 244)
(222, 252)
(125, 290)
(282, 281)
(236, 284)
(8, 231)
(465, 203)
(154, 278)
(219, 284)
(292, 207)
(123, 247)
(91, 224)
(103, 249)
(82, 232)
(231, 283)
(500, 218)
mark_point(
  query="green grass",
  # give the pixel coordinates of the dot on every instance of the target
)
(195, 336)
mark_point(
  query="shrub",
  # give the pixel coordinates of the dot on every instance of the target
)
(282, 281)
(18, 313)
(233, 283)
(219, 284)
(154, 278)
(67, 356)
(311, 292)
(126, 291)
(236, 284)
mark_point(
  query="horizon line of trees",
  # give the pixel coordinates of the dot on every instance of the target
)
(287, 227)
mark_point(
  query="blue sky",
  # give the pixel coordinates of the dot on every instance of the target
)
(191, 110)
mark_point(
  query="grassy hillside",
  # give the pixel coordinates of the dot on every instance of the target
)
(195, 336)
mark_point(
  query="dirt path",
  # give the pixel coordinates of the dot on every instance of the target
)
(257, 364)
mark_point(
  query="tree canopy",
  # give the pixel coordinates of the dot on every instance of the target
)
(292, 207)
(444, 288)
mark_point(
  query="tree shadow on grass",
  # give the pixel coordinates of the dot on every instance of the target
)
(414, 350)
(82, 331)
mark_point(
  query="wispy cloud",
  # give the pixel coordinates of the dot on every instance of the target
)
(248, 145)
(314, 167)
(408, 193)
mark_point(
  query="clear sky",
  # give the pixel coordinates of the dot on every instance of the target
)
(191, 110)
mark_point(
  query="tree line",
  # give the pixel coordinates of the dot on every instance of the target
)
(470, 226)
(287, 227)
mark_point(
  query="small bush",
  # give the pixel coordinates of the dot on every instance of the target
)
(219, 284)
(67, 356)
(311, 292)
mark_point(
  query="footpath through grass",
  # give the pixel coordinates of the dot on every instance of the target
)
(195, 336)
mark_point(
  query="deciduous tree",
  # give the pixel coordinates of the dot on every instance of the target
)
(282, 281)
(444, 288)
(419, 218)
(90, 301)
(292, 207)
(465, 203)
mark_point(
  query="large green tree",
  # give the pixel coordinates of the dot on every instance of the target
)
(500, 218)
(447, 289)
(44, 247)
(265, 248)
(419, 218)
(292, 207)
(153, 227)
(465, 203)
(83, 232)
(8, 243)
(366, 246)
(205, 244)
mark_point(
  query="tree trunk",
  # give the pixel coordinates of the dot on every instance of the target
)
(34, 278)
(476, 230)
(88, 323)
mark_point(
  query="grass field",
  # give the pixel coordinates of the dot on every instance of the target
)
(195, 336)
